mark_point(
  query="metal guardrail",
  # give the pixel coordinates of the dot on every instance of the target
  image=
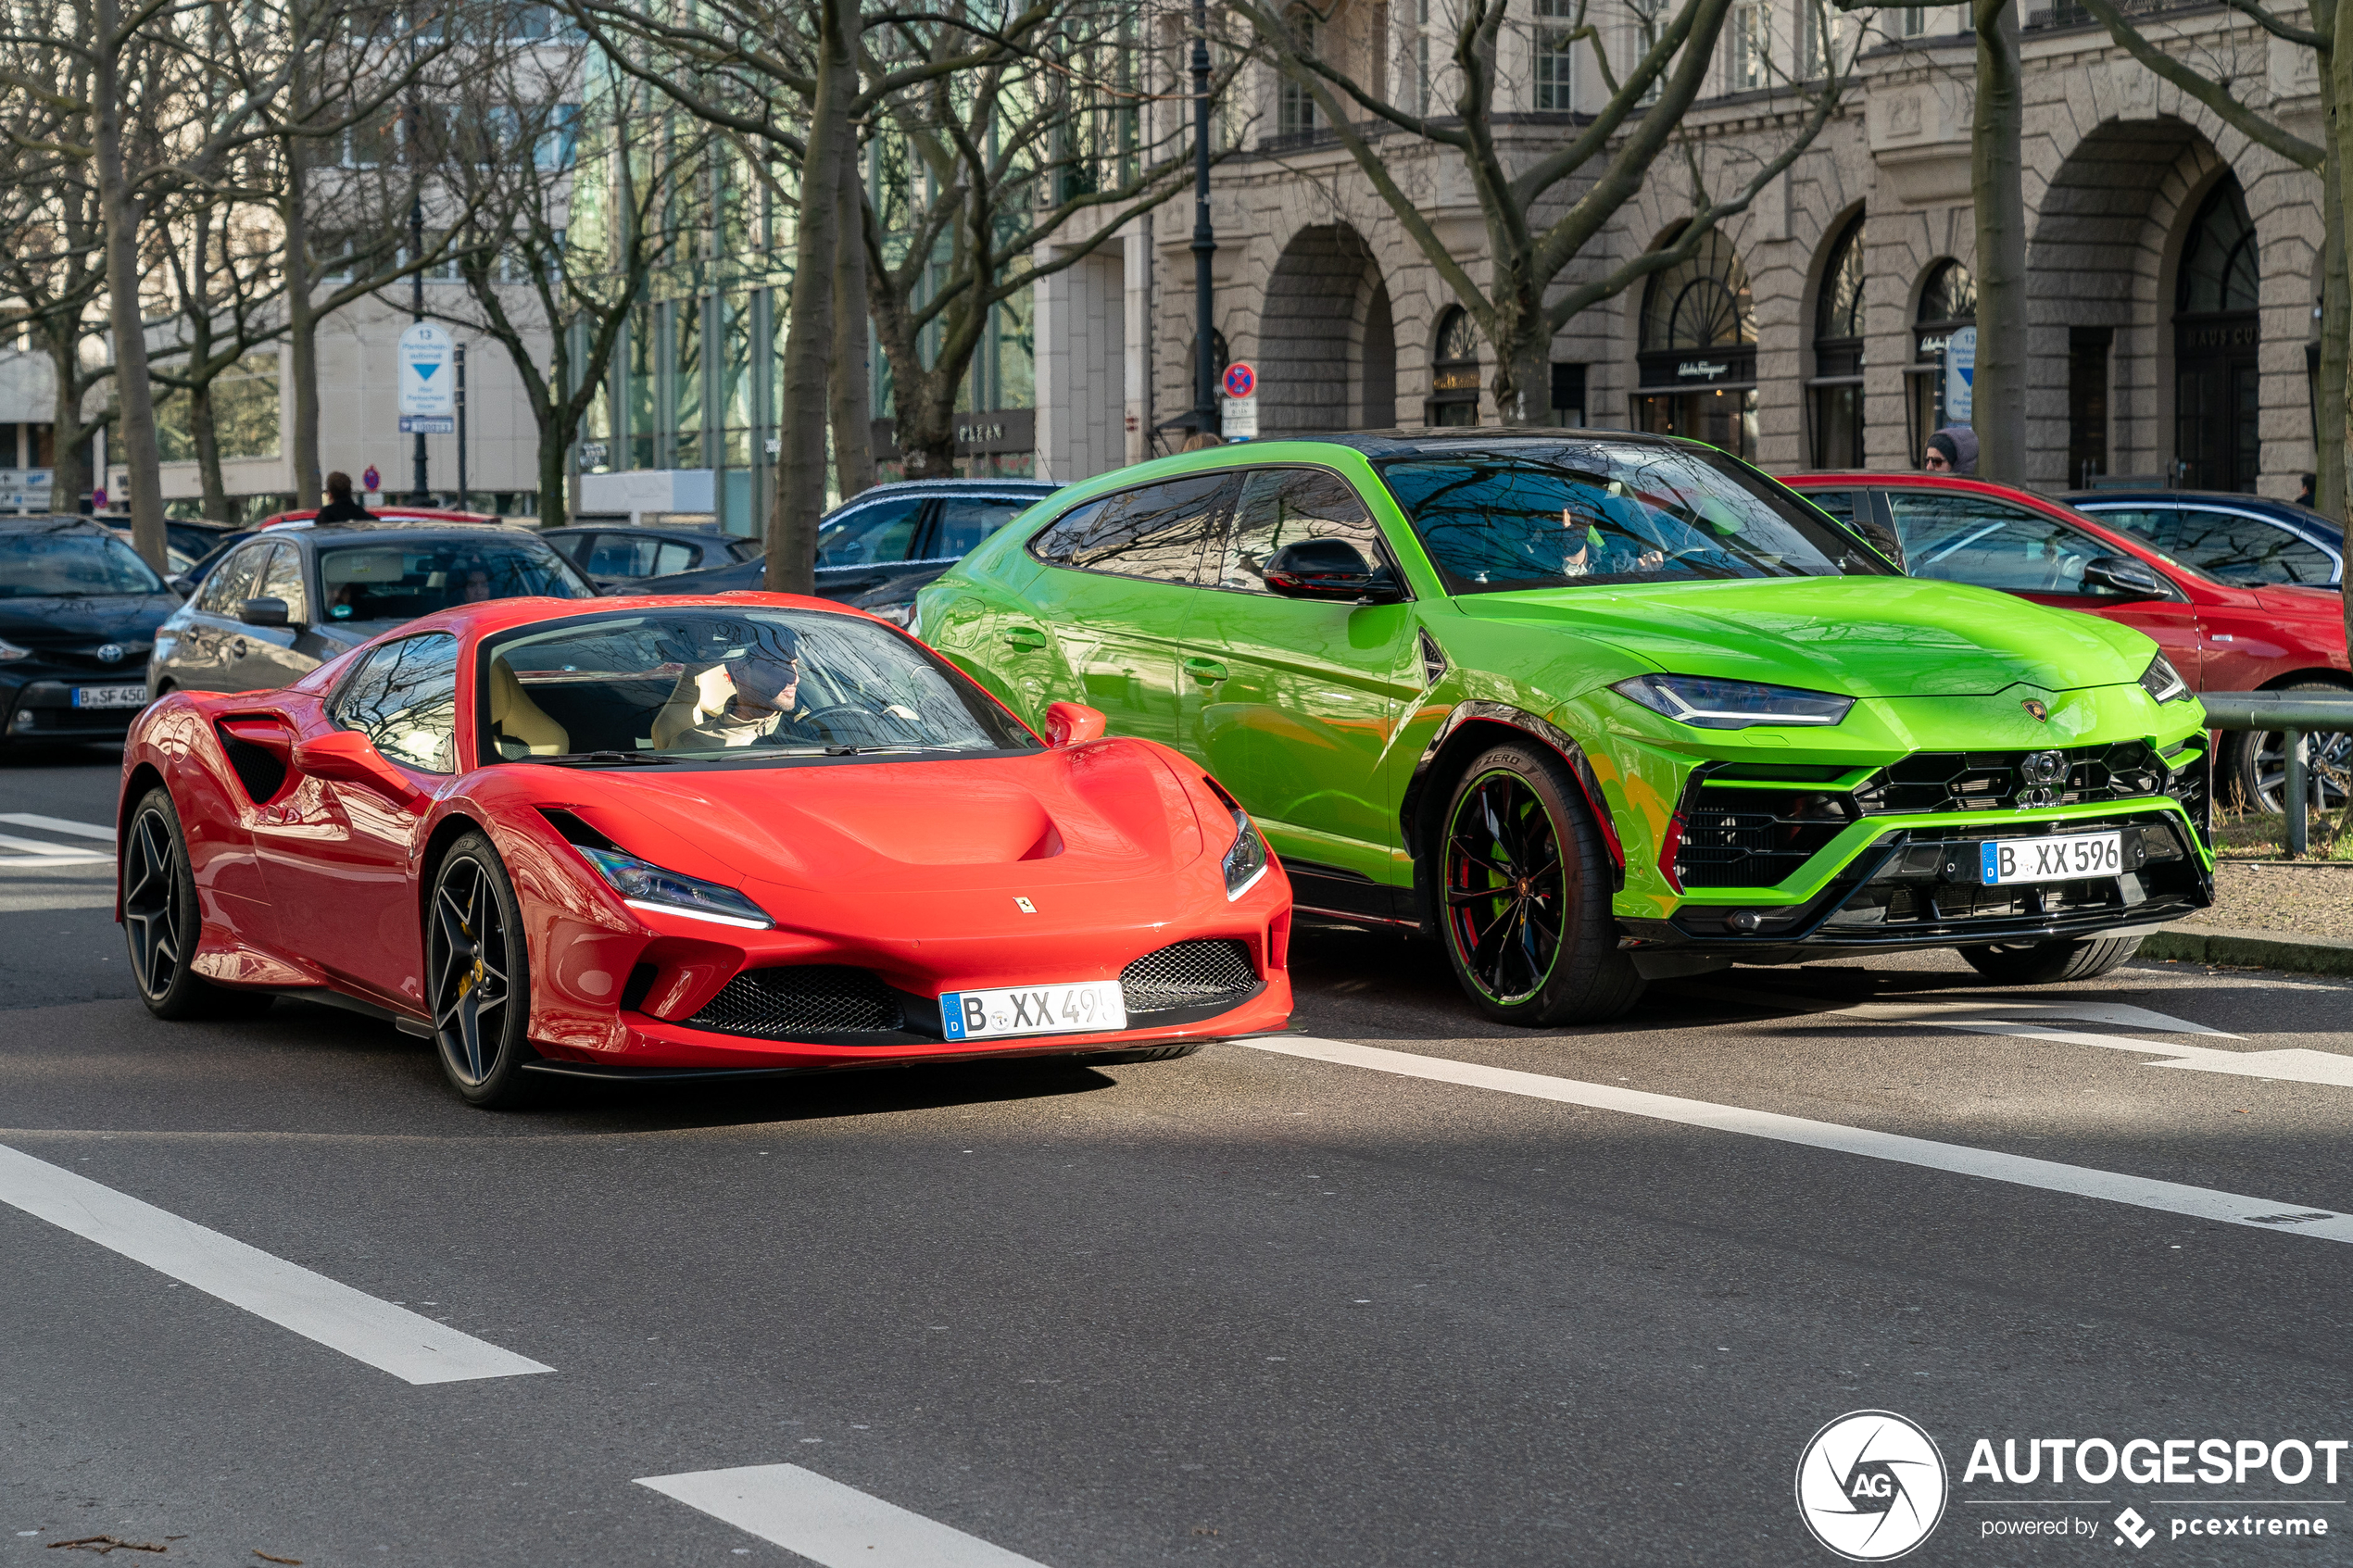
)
(2296, 717)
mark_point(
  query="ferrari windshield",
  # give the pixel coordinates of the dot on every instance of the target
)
(726, 684)
(1540, 515)
(398, 579)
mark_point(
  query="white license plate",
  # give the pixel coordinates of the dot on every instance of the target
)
(1083, 1007)
(2068, 857)
(110, 697)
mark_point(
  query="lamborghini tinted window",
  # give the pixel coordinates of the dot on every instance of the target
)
(1536, 515)
(1279, 507)
(1155, 532)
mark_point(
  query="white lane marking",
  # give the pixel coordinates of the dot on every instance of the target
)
(388, 1338)
(50, 854)
(56, 824)
(2202, 1203)
(2118, 1014)
(828, 1523)
(2022, 1021)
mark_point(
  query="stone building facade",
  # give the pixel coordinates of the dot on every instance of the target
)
(2174, 273)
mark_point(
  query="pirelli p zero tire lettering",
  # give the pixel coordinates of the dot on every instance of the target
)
(161, 920)
(2041, 963)
(1524, 895)
(478, 977)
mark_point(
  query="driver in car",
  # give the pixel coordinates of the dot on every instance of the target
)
(744, 698)
(1584, 553)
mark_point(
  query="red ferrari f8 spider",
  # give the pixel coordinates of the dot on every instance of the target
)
(689, 837)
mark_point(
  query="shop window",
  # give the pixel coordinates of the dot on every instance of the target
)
(1836, 391)
(1455, 376)
(1698, 354)
(1948, 303)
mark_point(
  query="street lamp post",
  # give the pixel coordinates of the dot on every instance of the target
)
(417, 313)
(1204, 237)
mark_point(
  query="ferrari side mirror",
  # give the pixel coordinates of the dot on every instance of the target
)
(345, 756)
(2124, 575)
(1072, 724)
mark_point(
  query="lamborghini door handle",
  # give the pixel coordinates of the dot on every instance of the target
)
(1205, 670)
(1026, 637)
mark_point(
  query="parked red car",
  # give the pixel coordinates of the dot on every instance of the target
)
(386, 513)
(2221, 637)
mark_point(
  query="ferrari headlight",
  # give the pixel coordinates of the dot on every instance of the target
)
(1706, 703)
(10, 653)
(2162, 682)
(1246, 862)
(643, 885)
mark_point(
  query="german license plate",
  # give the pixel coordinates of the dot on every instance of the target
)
(1083, 1007)
(110, 697)
(2068, 857)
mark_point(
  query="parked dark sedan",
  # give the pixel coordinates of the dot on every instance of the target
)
(917, 528)
(2244, 539)
(79, 611)
(621, 554)
(288, 599)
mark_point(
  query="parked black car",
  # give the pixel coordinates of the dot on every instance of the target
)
(916, 528)
(288, 599)
(186, 540)
(79, 613)
(613, 554)
(2248, 540)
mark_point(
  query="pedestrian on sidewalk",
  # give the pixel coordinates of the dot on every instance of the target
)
(340, 507)
(1951, 451)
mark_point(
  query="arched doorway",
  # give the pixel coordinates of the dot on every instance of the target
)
(1948, 303)
(2217, 335)
(1327, 343)
(1454, 370)
(1837, 387)
(1698, 351)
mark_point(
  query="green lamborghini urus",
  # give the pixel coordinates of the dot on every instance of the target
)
(1596, 708)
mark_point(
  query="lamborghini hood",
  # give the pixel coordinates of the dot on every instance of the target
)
(1107, 810)
(1860, 636)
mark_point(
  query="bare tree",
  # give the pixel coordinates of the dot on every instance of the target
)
(1590, 174)
(221, 254)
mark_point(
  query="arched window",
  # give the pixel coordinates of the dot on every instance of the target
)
(1948, 304)
(1698, 354)
(1838, 355)
(1454, 380)
(2217, 335)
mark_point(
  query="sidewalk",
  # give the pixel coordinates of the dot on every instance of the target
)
(2269, 916)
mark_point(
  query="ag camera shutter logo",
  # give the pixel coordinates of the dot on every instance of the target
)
(1871, 1485)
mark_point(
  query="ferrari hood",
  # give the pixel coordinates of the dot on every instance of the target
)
(1106, 810)
(1860, 636)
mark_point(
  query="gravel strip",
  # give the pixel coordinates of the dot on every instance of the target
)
(2307, 900)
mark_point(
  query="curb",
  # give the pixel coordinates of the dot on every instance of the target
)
(2250, 949)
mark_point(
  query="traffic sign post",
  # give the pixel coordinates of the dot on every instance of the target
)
(371, 482)
(428, 393)
(1237, 411)
(1961, 376)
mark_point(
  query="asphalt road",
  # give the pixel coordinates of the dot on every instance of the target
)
(1432, 1292)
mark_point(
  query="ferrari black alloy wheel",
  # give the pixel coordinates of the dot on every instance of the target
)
(1525, 891)
(160, 920)
(477, 976)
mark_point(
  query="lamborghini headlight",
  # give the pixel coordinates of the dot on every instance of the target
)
(644, 885)
(2162, 682)
(1246, 862)
(1706, 703)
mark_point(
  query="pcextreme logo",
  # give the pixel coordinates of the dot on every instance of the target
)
(1870, 1486)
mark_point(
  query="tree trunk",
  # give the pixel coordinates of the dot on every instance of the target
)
(68, 476)
(2336, 315)
(2338, 62)
(302, 325)
(1524, 377)
(852, 398)
(135, 393)
(799, 496)
(1996, 165)
(206, 438)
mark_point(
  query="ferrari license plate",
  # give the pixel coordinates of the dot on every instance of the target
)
(110, 697)
(2070, 858)
(1081, 1006)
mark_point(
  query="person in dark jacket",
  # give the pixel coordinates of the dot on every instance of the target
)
(1951, 451)
(340, 507)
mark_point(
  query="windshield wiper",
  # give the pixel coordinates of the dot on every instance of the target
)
(604, 759)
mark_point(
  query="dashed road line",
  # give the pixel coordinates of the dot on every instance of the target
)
(2050, 1175)
(827, 1522)
(388, 1338)
(41, 852)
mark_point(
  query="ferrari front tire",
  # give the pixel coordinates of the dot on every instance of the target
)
(162, 923)
(1524, 895)
(2043, 963)
(478, 977)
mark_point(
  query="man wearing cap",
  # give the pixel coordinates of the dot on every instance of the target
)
(736, 702)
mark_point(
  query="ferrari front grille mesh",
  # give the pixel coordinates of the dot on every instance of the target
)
(1189, 974)
(793, 1002)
